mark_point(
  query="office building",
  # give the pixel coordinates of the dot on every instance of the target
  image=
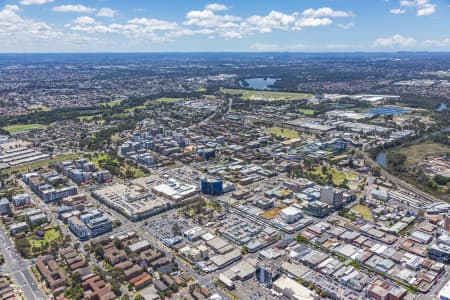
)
(212, 187)
(331, 196)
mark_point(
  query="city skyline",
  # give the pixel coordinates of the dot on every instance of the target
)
(229, 26)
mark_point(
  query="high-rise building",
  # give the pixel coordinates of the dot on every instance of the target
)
(212, 187)
(331, 196)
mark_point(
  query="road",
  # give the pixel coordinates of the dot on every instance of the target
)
(18, 268)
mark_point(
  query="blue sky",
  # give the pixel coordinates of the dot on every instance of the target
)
(229, 25)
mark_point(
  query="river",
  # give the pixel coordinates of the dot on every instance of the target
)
(381, 158)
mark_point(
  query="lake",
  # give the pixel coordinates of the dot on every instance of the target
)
(259, 83)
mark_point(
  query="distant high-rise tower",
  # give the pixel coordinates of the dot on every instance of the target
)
(447, 221)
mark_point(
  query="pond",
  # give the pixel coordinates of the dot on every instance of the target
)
(259, 83)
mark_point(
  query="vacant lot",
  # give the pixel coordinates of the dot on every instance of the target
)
(271, 214)
(365, 212)
(283, 132)
(416, 153)
(23, 127)
(266, 95)
(49, 236)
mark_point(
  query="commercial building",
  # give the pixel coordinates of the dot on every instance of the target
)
(53, 195)
(440, 249)
(331, 196)
(212, 187)
(132, 201)
(291, 289)
(291, 214)
(266, 273)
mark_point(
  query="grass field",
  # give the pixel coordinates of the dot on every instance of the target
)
(88, 118)
(169, 100)
(123, 168)
(283, 132)
(338, 176)
(307, 112)
(112, 103)
(38, 108)
(271, 214)
(22, 127)
(41, 163)
(266, 95)
(416, 153)
(49, 236)
(365, 212)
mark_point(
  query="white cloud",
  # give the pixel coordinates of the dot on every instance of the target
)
(274, 20)
(346, 26)
(275, 48)
(394, 41)
(424, 7)
(35, 2)
(106, 12)
(312, 22)
(216, 7)
(84, 20)
(397, 11)
(77, 8)
(326, 12)
(437, 43)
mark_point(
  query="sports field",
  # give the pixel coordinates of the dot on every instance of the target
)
(266, 95)
(23, 127)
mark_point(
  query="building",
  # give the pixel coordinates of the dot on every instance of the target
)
(291, 214)
(4, 206)
(37, 219)
(21, 200)
(444, 293)
(54, 277)
(266, 273)
(212, 187)
(52, 195)
(440, 249)
(331, 196)
(79, 228)
(317, 209)
(19, 227)
(291, 289)
(99, 226)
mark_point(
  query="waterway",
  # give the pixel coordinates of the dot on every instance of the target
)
(259, 83)
(381, 158)
(442, 107)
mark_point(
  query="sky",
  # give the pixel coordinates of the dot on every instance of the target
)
(228, 25)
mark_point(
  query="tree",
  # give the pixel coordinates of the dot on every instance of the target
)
(138, 296)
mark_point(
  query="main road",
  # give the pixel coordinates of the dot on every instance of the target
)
(18, 268)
